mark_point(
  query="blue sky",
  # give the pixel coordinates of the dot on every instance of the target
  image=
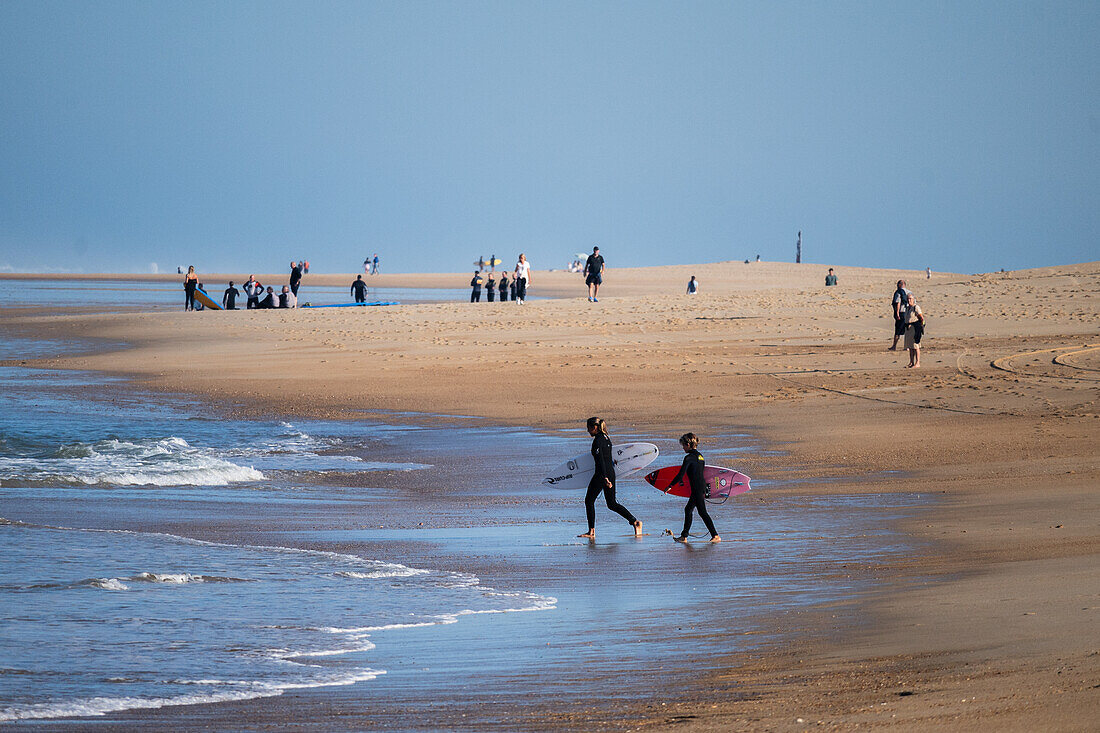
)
(236, 136)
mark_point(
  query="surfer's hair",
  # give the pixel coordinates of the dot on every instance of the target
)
(689, 441)
(598, 423)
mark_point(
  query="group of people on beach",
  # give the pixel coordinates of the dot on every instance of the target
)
(603, 481)
(257, 296)
(517, 288)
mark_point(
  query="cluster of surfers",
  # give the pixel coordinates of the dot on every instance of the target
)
(603, 481)
(257, 296)
(517, 288)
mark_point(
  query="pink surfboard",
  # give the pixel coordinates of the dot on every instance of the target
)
(722, 483)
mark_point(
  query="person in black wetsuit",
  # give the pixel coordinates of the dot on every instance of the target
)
(490, 288)
(229, 298)
(503, 287)
(190, 282)
(693, 467)
(359, 289)
(295, 277)
(475, 283)
(603, 480)
(268, 300)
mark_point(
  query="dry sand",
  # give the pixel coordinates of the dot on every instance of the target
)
(995, 626)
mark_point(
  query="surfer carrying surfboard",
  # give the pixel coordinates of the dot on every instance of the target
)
(603, 480)
(693, 466)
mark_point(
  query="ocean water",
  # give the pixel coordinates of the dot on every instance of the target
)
(96, 620)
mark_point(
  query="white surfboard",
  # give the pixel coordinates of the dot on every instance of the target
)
(577, 472)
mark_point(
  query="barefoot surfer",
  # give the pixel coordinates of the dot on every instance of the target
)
(693, 467)
(603, 480)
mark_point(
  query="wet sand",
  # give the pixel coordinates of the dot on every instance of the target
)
(992, 626)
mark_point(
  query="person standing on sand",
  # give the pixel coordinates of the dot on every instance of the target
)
(375, 270)
(593, 271)
(914, 330)
(490, 288)
(252, 289)
(190, 282)
(901, 297)
(522, 277)
(830, 279)
(503, 287)
(295, 277)
(693, 286)
(359, 289)
(693, 467)
(475, 283)
(928, 273)
(603, 480)
(229, 297)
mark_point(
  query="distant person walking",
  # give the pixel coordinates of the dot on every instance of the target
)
(490, 288)
(366, 266)
(475, 283)
(693, 467)
(914, 330)
(229, 297)
(830, 279)
(295, 277)
(603, 480)
(375, 270)
(928, 273)
(901, 297)
(522, 277)
(190, 282)
(359, 289)
(593, 271)
(693, 286)
(503, 287)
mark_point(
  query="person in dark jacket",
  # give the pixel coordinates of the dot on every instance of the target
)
(475, 283)
(503, 287)
(603, 480)
(693, 467)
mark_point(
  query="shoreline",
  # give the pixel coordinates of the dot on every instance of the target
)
(982, 439)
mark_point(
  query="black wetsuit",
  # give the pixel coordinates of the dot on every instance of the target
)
(359, 290)
(605, 468)
(693, 467)
(475, 294)
(229, 299)
(490, 290)
(295, 279)
(268, 301)
(189, 294)
(503, 289)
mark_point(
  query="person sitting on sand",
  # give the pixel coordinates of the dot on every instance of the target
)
(693, 466)
(268, 301)
(914, 330)
(603, 480)
(229, 297)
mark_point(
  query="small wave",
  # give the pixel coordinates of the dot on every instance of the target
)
(398, 571)
(105, 583)
(167, 461)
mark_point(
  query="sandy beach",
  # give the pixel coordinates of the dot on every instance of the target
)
(991, 625)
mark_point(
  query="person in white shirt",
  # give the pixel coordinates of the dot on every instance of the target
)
(522, 277)
(693, 286)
